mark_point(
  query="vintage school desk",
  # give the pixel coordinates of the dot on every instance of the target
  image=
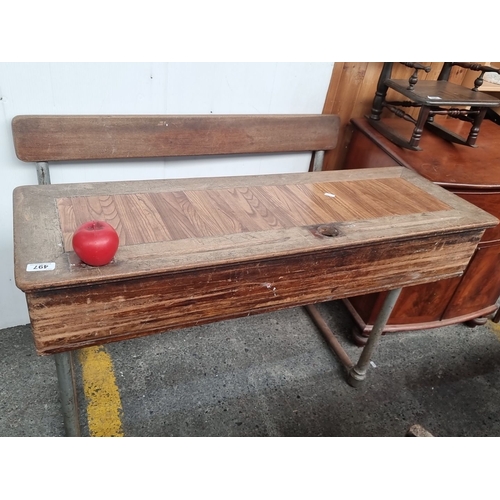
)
(194, 251)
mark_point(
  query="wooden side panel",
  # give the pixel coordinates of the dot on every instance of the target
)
(479, 277)
(362, 153)
(341, 99)
(57, 138)
(114, 311)
(416, 305)
(489, 201)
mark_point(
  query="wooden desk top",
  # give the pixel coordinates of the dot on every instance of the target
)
(174, 225)
(196, 251)
(450, 165)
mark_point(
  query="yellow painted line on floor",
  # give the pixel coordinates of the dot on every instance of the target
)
(104, 406)
(495, 327)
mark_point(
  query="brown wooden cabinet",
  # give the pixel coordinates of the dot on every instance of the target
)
(472, 174)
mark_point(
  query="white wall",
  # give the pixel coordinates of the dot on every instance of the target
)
(143, 88)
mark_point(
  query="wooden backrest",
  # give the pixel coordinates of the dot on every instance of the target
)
(44, 138)
(481, 68)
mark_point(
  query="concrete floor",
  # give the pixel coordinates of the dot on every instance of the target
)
(270, 375)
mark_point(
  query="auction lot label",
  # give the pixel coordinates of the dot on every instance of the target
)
(41, 266)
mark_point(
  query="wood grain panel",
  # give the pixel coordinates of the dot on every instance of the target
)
(154, 217)
(176, 215)
(243, 205)
(484, 263)
(489, 201)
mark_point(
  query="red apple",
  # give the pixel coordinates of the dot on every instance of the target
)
(95, 242)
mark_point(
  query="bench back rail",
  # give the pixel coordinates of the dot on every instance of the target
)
(47, 138)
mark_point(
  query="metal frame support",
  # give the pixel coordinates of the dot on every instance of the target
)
(67, 393)
(317, 161)
(356, 373)
(329, 337)
(64, 360)
(42, 172)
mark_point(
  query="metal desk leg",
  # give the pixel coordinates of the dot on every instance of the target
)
(357, 373)
(67, 393)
